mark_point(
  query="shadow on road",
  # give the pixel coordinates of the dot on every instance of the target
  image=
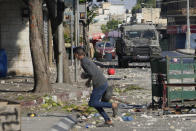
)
(16, 91)
(9, 101)
(113, 64)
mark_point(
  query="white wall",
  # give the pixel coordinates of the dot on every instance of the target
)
(96, 27)
(14, 33)
(117, 9)
(112, 11)
(139, 17)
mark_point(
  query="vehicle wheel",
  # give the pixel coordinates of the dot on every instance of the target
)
(122, 63)
(125, 63)
(119, 63)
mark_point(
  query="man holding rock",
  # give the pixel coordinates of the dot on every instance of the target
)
(99, 86)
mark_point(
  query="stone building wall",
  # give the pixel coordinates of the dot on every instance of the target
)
(14, 37)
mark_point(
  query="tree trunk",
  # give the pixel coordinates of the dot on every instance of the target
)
(87, 39)
(50, 50)
(40, 66)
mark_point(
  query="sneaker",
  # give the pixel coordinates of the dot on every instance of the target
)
(106, 125)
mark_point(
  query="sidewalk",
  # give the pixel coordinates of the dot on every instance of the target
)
(64, 93)
(186, 51)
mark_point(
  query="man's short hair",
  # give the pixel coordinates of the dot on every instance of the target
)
(79, 50)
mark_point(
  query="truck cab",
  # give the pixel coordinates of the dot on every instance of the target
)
(137, 44)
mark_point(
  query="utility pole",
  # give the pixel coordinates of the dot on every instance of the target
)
(188, 45)
(61, 52)
(50, 50)
(151, 12)
(71, 34)
(76, 3)
(78, 24)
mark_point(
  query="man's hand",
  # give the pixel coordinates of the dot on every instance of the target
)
(84, 75)
(88, 83)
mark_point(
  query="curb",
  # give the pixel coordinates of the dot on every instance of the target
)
(63, 97)
(183, 52)
(65, 124)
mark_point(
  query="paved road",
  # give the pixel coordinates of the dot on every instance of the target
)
(60, 122)
(39, 123)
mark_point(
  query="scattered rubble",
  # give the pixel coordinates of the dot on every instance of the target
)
(132, 85)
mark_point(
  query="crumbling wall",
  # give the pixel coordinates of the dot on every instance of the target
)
(10, 117)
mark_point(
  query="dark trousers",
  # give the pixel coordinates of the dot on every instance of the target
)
(95, 101)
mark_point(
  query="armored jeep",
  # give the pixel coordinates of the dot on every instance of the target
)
(137, 44)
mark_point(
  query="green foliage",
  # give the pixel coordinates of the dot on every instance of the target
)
(49, 103)
(127, 89)
(104, 28)
(147, 3)
(111, 25)
(90, 16)
(82, 1)
(152, 2)
(83, 109)
(67, 38)
(136, 8)
(90, 13)
(20, 97)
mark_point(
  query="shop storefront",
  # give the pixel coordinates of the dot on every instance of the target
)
(178, 36)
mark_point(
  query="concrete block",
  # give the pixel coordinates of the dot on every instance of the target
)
(10, 118)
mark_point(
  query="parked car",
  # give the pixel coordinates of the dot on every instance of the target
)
(102, 48)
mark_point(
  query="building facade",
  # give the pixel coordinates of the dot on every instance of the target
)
(150, 15)
(176, 13)
(112, 9)
(14, 36)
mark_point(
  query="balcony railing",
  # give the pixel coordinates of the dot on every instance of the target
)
(182, 12)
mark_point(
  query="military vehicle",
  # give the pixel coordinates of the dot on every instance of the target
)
(137, 43)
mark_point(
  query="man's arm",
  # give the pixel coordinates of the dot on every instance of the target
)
(88, 83)
(84, 75)
(87, 67)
